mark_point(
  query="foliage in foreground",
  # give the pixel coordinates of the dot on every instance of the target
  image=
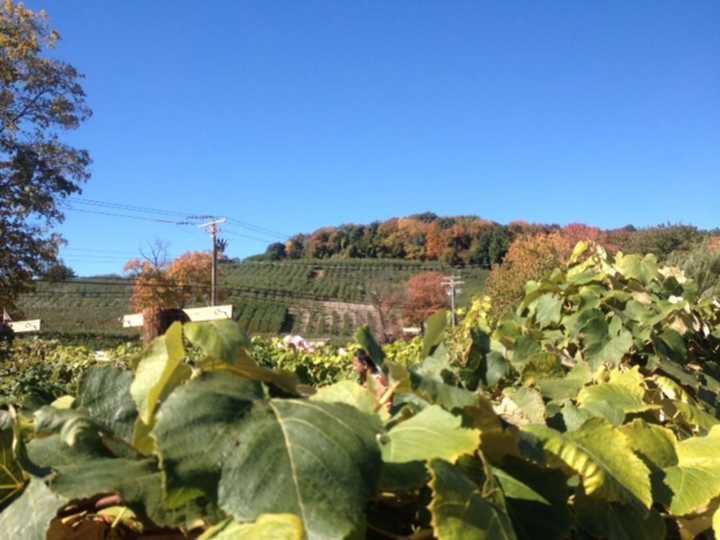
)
(590, 413)
(35, 372)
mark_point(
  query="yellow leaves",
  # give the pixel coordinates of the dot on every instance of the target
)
(602, 456)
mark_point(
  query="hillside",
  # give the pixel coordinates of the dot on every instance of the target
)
(316, 298)
(467, 240)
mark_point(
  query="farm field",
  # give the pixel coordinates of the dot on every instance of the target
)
(314, 298)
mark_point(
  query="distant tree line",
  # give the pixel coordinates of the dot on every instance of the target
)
(466, 240)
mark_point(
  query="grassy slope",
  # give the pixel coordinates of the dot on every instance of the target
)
(310, 297)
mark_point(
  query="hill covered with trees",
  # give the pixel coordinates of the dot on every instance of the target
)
(467, 240)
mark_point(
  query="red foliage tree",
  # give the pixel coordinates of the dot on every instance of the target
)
(424, 295)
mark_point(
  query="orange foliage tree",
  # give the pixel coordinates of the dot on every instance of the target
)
(529, 258)
(161, 285)
(424, 295)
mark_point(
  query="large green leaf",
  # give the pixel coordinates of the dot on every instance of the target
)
(29, 516)
(461, 511)
(266, 527)
(317, 460)
(222, 340)
(158, 373)
(603, 458)
(105, 394)
(432, 433)
(642, 269)
(612, 401)
(548, 309)
(350, 393)
(695, 480)
(434, 331)
(606, 344)
(410, 385)
(656, 446)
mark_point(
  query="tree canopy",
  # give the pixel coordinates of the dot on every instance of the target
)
(40, 97)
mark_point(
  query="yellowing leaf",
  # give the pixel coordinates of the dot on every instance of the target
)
(695, 480)
(266, 527)
(603, 458)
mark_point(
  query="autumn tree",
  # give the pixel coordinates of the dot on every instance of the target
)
(170, 285)
(40, 97)
(529, 258)
(425, 294)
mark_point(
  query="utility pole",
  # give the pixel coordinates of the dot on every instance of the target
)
(212, 225)
(452, 283)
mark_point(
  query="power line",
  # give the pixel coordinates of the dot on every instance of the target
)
(231, 232)
(133, 208)
(188, 216)
(95, 250)
(127, 216)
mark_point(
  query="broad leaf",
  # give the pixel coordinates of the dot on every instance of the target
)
(460, 511)
(29, 516)
(548, 310)
(432, 433)
(695, 480)
(266, 527)
(157, 374)
(105, 394)
(350, 393)
(612, 401)
(434, 331)
(602, 457)
(317, 460)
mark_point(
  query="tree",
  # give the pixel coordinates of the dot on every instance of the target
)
(39, 98)
(424, 295)
(59, 272)
(529, 258)
(275, 252)
(162, 285)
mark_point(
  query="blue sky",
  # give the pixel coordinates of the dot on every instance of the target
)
(294, 115)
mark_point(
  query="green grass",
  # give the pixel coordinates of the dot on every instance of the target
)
(268, 297)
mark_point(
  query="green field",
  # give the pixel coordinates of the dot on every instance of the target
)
(315, 298)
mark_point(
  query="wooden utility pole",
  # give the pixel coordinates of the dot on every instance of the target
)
(212, 225)
(452, 283)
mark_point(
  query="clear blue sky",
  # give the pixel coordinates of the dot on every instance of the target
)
(293, 115)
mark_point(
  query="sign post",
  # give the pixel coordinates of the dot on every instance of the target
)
(24, 326)
(212, 313)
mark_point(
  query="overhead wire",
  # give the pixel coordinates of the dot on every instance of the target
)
(190, 218)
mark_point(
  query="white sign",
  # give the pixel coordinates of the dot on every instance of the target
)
(211, 313)
(413, 330)
(25, 326)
